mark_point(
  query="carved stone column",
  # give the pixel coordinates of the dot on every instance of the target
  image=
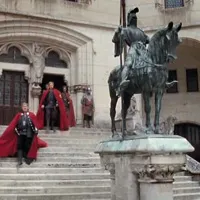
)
(35, 92)
(156, 180)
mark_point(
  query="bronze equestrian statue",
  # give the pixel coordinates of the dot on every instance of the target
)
(145, 70)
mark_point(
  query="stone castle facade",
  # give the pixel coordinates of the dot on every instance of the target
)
(80, 33)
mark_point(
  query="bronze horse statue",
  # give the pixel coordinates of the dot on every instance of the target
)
(148, 75)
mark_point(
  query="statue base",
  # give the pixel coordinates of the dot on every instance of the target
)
(142, 166)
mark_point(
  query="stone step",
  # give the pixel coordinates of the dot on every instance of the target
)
(50, 164)
(186, 190)
(67, 149)
(68, 154)
(187, 196)
(54, 189)
(71, 141)
(182, 184)
(183, 178)
(24, 169)
(76, 160)
(76, 146)
(33, 183)
(64, 196)
(56, 176)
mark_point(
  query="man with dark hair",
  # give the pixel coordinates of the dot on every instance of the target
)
(68, 106)
(51, 100)
(21, 137)
(87, 107)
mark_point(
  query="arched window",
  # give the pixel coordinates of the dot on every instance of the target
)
(13, 56)
(53, 60)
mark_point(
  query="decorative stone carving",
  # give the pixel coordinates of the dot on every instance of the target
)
(157, 173)
(80, 88)
(38, 63)
(132, 108)
(36, 90)
(167, 126)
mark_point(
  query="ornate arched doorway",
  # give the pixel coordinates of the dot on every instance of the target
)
(192, 133)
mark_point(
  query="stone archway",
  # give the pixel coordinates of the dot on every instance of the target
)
(35, 39)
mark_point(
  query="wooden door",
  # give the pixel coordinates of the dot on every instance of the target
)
(192, 133)
(13, 91)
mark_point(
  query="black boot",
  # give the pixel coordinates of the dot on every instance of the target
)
(53, 127)
(84, 123)
(88, 124)
(48, 123)
(20, 156)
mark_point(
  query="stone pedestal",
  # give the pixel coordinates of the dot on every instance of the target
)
(143, 166)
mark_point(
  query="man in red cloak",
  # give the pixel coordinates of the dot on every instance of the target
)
(50, 100)
(68, 106)
(21, 138)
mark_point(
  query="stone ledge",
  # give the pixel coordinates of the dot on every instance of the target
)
(154, 144)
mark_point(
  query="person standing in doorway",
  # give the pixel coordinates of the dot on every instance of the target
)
(68, 106)
(50, 101)
(87, 107)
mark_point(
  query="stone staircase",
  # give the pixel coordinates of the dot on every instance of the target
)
(69, 170)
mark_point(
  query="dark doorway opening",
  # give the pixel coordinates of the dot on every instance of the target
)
(58, 84)
(57, 79)
(192, 133)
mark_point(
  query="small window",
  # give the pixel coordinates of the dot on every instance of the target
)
(192, 80)
(174, 3)
(53, 60)
(172, 77)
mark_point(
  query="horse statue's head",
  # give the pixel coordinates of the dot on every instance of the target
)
(163, 44)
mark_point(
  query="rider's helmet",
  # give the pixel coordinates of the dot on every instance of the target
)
(132, 17)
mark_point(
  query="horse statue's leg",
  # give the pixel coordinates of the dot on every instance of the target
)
(158, 100)
(147, 108)
(127, 100)
(113, 104)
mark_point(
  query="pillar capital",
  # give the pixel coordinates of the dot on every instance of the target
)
(156, 172)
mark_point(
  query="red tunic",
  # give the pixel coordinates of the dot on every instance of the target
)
(71, 116)
(64, 123)
(8, 140)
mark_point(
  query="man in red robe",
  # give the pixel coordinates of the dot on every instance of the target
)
(21, 138)
(51, 100)
(68, 106)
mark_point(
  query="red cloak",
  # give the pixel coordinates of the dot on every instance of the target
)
(64, 123)
(72, 120)
(8, 140)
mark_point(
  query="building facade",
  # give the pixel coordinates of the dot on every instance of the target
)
(65, 41)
